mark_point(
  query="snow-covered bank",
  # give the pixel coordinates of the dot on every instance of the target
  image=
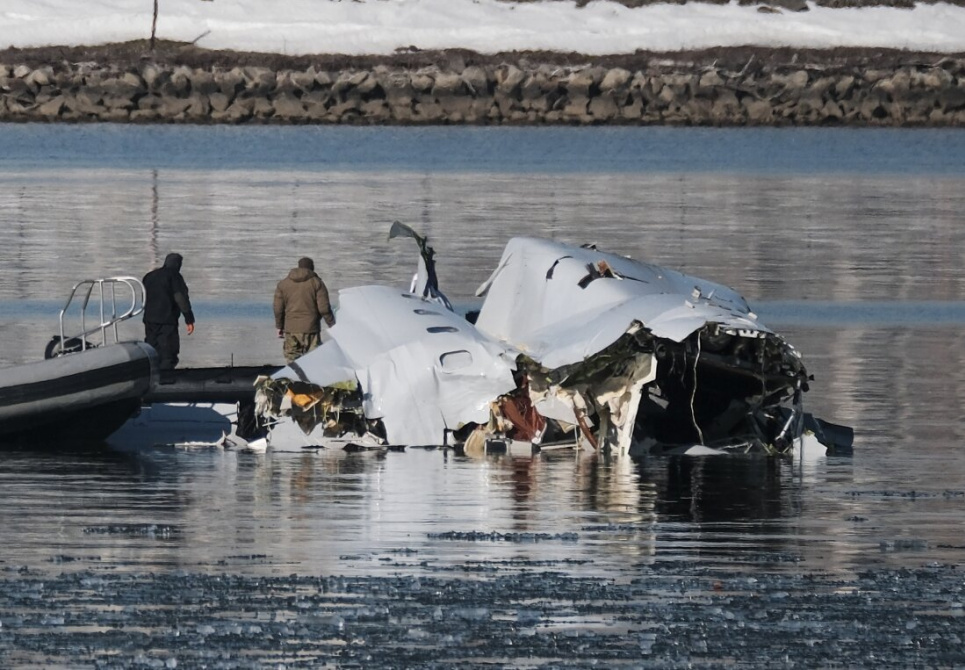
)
(481, 62)
(486, 26)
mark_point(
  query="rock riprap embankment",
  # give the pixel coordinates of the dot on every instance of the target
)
(658, 91)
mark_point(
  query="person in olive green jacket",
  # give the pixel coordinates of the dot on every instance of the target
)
(301, 302)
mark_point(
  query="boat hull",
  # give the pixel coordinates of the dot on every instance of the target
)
(84, 396)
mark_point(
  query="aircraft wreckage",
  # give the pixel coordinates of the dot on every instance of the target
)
(570, 346)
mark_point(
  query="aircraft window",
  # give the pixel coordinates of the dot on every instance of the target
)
(455, 360)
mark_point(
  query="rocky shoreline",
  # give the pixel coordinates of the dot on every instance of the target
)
(180, 83)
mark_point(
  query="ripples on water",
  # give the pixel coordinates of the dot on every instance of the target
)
(857, 256)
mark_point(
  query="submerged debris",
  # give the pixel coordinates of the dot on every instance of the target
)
(140, 529)
(479, 536)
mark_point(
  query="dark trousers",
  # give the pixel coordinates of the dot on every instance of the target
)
(166, 341)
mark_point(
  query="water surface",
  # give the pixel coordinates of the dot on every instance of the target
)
(849, 242)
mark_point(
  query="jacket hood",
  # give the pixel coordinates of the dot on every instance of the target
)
(301, 274)
(173, 262)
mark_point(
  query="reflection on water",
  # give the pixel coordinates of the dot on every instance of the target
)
(432, 511)
(777, 238)
(863, 272)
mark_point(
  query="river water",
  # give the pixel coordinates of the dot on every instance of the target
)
(850, 242)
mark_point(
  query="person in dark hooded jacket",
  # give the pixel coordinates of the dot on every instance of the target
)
(165, 301)
(301, 302)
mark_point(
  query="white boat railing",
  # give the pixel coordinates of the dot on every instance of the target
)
(107, 292)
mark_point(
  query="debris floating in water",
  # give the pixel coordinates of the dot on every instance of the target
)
(571, 346)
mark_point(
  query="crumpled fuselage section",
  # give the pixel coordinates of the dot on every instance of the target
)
(571, 345)
(421, 371)
(714, 374)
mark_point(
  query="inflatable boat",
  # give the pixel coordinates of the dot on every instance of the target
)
(83, 396)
